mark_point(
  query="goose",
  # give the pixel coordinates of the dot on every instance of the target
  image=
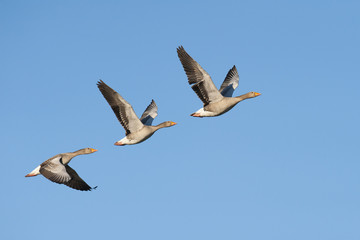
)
(136, 130)
(216, 102)
(56, 169)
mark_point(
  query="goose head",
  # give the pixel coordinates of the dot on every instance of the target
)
(164, 125)
(84, 151)
(252, 94)
(88, 150)
(167, 124)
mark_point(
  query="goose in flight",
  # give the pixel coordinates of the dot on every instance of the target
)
(56, 169)
(136, 130)
(216, 102)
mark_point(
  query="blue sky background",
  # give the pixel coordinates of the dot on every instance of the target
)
(284, 165)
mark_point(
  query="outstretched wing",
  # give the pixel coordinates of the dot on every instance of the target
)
(149, 114)
(200, 90)
(206, 90)
(76, 181)
(54, 170)
(122, 109)
(230, 83)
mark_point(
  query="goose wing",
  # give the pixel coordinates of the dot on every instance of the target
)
(122, 109)
(149, 114)
(76, 181)
(230, 83)
(203, 85)
(54, 170)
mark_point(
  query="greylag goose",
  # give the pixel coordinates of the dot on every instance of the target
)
(56, 169)
(136, 130)
(216, 102)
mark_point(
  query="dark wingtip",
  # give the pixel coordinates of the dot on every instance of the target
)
(234, 68)
(100, 82)
(180, 48)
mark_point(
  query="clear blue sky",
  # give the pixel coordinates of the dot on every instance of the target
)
(281, 166)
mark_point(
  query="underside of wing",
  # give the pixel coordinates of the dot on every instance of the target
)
(54, 170)
(76, 181)
(230, 83)
(149, 114)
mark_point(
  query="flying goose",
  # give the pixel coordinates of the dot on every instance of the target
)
(216, 102)
(56, 169)
(136, 130)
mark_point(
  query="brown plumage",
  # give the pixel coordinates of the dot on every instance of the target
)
(57, 170)
(136, 130)
(216, 102)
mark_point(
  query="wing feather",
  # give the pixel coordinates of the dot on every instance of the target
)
(122, 109)
(199, 89)
(76, 181)
(149, 114)
(230, 83)
(54, 170)
(196, 74)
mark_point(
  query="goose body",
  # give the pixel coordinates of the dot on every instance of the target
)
(143, 134)
(216, 102)
(57, 170)
(136, 130)
(216, 108)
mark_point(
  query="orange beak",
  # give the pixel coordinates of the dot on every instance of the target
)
(173, 123)
(93, 150)
(257, 94)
